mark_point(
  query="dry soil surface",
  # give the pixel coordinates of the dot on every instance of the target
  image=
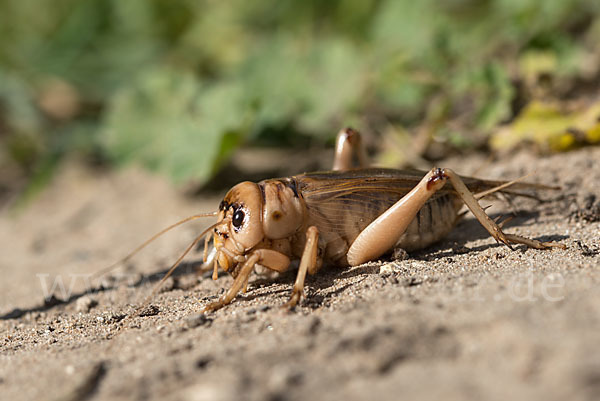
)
(464, 319)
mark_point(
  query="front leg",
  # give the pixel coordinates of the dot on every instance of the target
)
(383, 233)
(270, 259)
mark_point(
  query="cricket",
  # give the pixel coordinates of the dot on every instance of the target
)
(344, 217)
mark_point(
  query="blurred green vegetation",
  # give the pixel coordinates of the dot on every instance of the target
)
(177, 85)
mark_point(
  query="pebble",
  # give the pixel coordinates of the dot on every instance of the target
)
(405, 266)
(168, 285)
(196, 320)
(209, 392)
(150, 310)
(85, 303)
(387, 268)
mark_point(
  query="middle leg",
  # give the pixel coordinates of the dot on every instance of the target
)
(308, 263)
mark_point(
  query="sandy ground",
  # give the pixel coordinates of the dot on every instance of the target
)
(464, 319)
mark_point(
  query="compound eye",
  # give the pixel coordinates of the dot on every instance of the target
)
(238, 218)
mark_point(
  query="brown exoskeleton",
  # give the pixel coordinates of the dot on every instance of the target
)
(342, 217)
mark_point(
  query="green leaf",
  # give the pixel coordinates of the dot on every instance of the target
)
(169, 123)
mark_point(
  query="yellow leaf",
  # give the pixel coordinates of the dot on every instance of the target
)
(593, 134)
(550, 127)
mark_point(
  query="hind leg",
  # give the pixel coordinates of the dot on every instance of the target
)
(381, 235)
(490, 225)
(348, 144)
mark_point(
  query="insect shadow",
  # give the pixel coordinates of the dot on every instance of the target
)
(100, 286)
(469, 230)
(326, 279)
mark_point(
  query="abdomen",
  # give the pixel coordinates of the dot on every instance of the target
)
(435, 219)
